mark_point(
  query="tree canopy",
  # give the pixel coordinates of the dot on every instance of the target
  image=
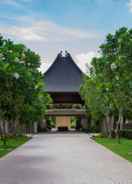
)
(22, 96)
(107, 90)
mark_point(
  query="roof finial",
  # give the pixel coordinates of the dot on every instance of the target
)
(61, 52)
(67, 53)
(64, 53)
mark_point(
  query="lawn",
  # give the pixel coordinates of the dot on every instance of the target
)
(123, 149)
(12, 143)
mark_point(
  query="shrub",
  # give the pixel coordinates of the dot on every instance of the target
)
(127, 133)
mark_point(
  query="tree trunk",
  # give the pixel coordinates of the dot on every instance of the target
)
(3, 132)
(110, 123)
(105, 127)
(108, 126)
(119, 125)
(15, 126)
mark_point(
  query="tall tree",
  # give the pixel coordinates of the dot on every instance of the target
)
(111, 76)
(22, 85)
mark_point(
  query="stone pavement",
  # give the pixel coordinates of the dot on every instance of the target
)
(64, 159)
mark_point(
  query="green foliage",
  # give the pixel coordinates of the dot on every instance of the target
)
(22, 96)
(127, 133)
(73, 122)
(108, 88)
(51, 122)
(12, 143)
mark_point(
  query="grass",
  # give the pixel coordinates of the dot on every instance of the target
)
(12, 143)
(123, 149)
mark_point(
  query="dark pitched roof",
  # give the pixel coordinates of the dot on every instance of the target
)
(63, 75)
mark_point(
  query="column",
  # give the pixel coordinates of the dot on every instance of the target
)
(35, 128)
(84, 123)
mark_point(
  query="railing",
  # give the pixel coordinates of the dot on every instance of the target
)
(65, 106)
(63, 111)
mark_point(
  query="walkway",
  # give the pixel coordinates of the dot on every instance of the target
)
(64, 159)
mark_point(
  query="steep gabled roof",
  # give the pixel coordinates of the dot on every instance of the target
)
(63, 75)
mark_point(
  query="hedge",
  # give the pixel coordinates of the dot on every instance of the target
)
(127, 133)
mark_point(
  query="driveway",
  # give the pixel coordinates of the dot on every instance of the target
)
(64, 159)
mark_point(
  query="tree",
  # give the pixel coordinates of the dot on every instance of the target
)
(111, 75)
(22, 86)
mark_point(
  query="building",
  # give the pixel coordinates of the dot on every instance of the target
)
(63, 80)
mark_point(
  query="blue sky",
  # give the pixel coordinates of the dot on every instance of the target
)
(79, 26)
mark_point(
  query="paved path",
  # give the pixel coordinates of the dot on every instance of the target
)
(64, 159)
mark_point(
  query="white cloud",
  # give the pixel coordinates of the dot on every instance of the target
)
(45, 31)
(45, 65)
(130, 5)
(25, 34)
(48, 38)
(84, 60)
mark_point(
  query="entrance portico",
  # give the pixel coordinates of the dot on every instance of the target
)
(63, 117)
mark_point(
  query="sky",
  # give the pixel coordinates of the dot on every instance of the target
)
(49, 26)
